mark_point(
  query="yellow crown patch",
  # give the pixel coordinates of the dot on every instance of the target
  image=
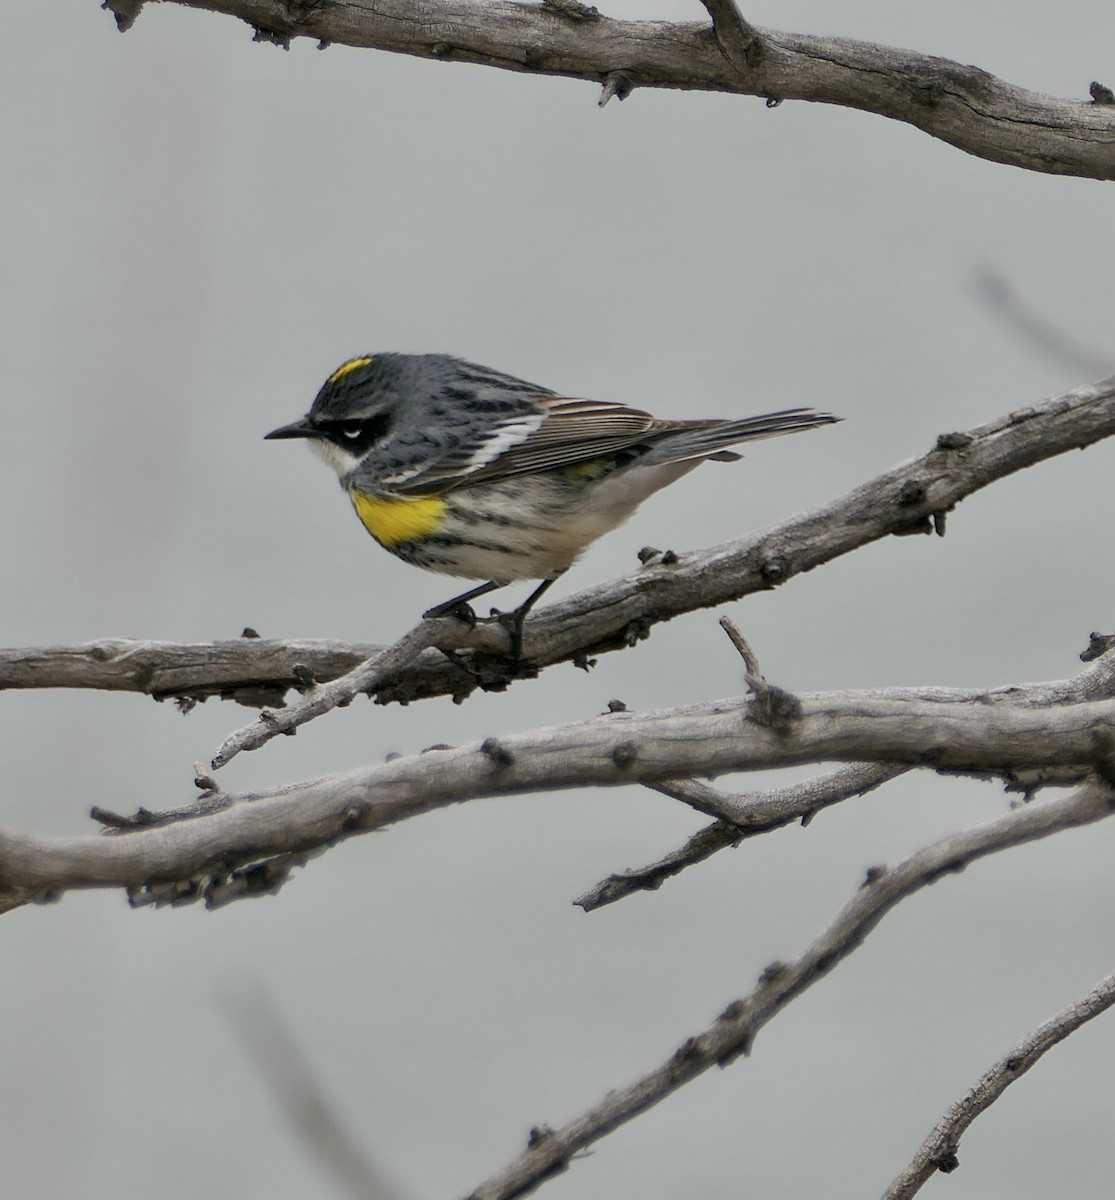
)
(353, 364)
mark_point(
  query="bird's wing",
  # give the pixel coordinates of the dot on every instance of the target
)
(556, 431)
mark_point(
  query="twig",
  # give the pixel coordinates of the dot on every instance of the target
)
(740, 816)
(739, 41)
(303, 1100)
(962, 105)
(1038, 331)
(753, 675)
(364, 678)
(733, 1033)
(772, 705)
(938, 1151)
(615, 84)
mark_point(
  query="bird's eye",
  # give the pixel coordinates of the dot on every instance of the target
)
(351, 430)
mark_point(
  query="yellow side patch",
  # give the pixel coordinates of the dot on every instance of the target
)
(392, 522)
(586, 472)
(353, 364)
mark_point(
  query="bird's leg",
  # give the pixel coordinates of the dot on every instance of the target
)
(459, 606)
(514, 620)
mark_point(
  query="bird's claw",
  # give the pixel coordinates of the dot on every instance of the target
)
(460, 609)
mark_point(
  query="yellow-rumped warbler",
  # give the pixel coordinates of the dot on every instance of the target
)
(469, 472)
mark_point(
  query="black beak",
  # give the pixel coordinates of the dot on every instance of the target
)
(296, 429)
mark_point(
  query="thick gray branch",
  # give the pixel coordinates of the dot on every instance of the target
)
(938, 1151)
(959, 104)
(893, 726)
(910, 498)
(252, 670)
(734, 1031)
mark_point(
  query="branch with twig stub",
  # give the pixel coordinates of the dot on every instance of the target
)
(938, 1151)
(226, 838)
(733, 1033)
(962, 105)
(746, 815)
(911, 498)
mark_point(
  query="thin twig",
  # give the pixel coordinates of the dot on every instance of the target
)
(738, 39)
(366, 677)
(1038, 331)
(733, 1033)
(739, 816)
(938, 1151)
(304, 1102)
(754, 675)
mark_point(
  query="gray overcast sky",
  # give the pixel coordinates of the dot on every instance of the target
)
(195, 231)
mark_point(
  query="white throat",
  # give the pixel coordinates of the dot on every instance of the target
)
(334, 456)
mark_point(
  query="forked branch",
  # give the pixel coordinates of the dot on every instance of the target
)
(734, 1031)
(225, 834)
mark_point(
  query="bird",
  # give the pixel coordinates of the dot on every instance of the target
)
(470, 472)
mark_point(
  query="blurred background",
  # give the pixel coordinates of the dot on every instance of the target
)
(196, 230)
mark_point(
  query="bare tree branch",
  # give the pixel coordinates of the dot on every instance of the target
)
(227, 834)
(251, 670)
(748, 814)
(324, 698)
(938, 1151)
(962, 105)
(304, 1101)
(911, 498)
(739, 816)
(734, 1031)
(1038, 331)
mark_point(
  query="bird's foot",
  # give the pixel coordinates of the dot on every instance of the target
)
(461, 609)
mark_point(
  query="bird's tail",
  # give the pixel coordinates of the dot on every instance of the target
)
(678, 441)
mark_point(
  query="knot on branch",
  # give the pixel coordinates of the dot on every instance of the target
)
(572, 10)
(1098, 645)
(273, 37)
(927, 93)
(617, 84)
(737, 39)
(770, 706)
(126, 11)
(773, 570)
(774, 707)
(625, 755)
(1103, 755)
(946, 1162)
(539, 1133)
(499, 754)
